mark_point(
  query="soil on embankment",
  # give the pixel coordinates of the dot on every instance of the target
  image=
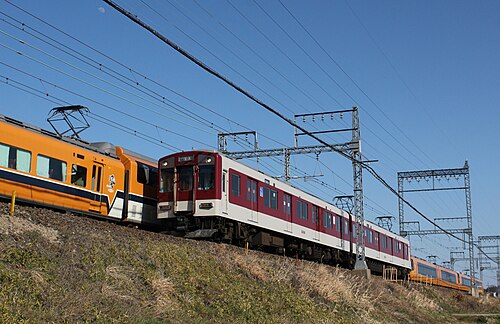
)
(56, 267)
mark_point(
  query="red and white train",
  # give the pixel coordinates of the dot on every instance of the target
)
(208, 195)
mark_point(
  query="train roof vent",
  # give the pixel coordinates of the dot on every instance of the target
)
(105, 147)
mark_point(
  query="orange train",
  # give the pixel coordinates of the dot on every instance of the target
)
(90, 178)
(432, 274)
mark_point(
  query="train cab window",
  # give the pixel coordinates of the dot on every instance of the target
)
(51, 168)
(206, 177)
(78, 175)
(167, 180)
(146, 174)
(287, 204)
(15, 158)
(235, 185)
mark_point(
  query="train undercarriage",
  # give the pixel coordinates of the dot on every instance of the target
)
(223, 230)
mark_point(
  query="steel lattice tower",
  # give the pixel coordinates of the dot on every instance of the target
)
(433, 175)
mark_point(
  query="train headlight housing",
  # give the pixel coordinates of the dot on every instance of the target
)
(206, 205)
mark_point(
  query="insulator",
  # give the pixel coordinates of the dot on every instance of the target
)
(322, 117)
(246, 137)
(341, 115)
(314, 119)
(331, 116)
(304, 119)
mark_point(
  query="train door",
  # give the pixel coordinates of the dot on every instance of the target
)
(316, 222)
(184, 189)
(96, 186)
(287, 208)
(252, 198)
(225, 188)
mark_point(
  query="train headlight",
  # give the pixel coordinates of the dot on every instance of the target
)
(165, 163)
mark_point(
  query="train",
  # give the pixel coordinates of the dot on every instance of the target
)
(432, 274)
(97, 179)
(196, 194)
(208, 195)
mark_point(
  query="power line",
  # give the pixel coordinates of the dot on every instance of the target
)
(208, 69)
(361, 90)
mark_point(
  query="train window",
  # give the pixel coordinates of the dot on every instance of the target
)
(96, 178)
(301, 210)
(167, 180)
(270, 198)
(337, 224)
(466, 282)
(235, 185)
(15, 158)
(448, 276)
(315, 215)
(427, 271)
(78, 175)
(252, 190)
(384, 242)
(206, 177)
(146, 174)
(274, 199)
(346, 226)
(287, 206)
(327, 220)
(185, 178)
(51, 168)
(370, 237)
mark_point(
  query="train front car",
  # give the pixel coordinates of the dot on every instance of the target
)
(189, 196)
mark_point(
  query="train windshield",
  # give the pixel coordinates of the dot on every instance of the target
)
(167, 180)
(185, 178)
(206, 177)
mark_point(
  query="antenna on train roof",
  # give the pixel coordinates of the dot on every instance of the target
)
(69, 114)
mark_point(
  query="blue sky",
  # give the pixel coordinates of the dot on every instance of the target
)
(426, 78)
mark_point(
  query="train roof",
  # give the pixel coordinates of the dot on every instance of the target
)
(104, 148)
(374, 226)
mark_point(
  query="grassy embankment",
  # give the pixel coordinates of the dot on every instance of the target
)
(56, 267)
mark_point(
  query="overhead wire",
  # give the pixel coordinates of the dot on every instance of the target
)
(99, 64)
(361, 90)
(210, 70)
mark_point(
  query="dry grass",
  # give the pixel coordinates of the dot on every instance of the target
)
(418, 300)
(15, 225)
(164, 291)
(337, 286)
(101, 272)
